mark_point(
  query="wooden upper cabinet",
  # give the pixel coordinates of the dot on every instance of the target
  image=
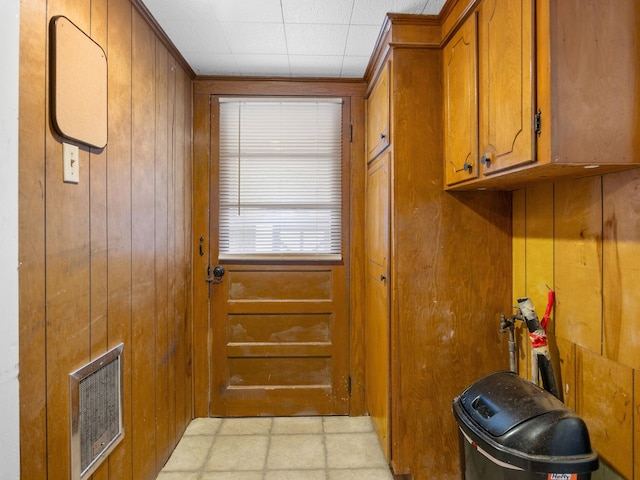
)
(461, 105)
(505, 50)
(378, 115)
(557, 92)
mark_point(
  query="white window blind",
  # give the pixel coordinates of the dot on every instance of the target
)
(280, 177)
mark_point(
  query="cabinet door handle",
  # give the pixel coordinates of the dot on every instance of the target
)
(485, 160)
(383, 277)
(382, 136)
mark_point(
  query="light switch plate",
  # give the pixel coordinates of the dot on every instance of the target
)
(70, 163)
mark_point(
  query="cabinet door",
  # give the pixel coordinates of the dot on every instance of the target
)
(377, 322)
(461, 105)
(378, 115)
(507, 94)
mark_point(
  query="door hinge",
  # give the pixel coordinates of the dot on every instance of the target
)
(351, 133)
(537, 122)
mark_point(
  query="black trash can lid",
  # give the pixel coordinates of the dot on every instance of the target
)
(502, 400)
(516, 422)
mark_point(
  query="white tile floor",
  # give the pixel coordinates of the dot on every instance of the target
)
(292, 448)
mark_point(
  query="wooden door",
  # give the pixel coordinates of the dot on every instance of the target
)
(461, 105)
(278, 329)
(377, 332)
(507, 74)
(279, 343)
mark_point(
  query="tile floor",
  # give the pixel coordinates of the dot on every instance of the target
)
(292, 448)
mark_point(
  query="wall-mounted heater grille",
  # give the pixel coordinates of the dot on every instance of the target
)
(96, 412)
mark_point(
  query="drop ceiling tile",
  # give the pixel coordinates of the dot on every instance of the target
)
(373, 12)
(433, 7)
(305, 39)
(263, 65)
(164, 10)
(246, 10)
(172, 10)
(209, 32)
(354, 67)
(213, 64)
(315, 65)
(361, 40)
(312, 11)
(197, 36)
(253, 38)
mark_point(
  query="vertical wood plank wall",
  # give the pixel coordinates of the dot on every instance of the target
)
(108, 260)
(582, 237)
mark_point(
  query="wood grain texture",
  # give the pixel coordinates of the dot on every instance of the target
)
(445, 298)
(269, 367)
(97, 168)
(93, 282)
(460, 74)
(604, 399)
(539, 245)
(201, 178)
(596, 78)
(378, 133)
(377, 333)
(118, 163)
(67, 280)
(357, 178)
(270, 86)
(184, 280)
(539, 263)
(562, 89)
(161, 248)
(594, 244)
(519, 277)
(621, 242)
(144, 309)
(578, 261)
(566, 373)
(98, 225)
(506, 52)
(31, 231)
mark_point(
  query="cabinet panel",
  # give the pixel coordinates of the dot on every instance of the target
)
(377, 325)
(506, 84)
(378, 115)
(461, 105)
(557, 90)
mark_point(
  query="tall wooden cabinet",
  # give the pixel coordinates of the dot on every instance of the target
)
(431, 328)
(554, 89)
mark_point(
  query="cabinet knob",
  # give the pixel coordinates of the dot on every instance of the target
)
(485, 160)
(383, 277)
(467, 167)
(382, 136)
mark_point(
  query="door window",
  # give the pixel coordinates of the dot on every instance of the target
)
(280, 177)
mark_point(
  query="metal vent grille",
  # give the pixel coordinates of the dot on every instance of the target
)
(96, 412)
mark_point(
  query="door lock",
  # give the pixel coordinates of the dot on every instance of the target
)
(218, 273)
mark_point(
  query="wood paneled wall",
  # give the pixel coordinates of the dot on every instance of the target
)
(582, 238)
(108, 260)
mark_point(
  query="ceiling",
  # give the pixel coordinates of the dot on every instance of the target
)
(279, 38)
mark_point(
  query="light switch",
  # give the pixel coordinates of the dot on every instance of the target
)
(70, 163)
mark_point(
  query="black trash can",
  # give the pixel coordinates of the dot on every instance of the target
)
(511, 429)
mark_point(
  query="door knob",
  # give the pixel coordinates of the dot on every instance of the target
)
(218, 273)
